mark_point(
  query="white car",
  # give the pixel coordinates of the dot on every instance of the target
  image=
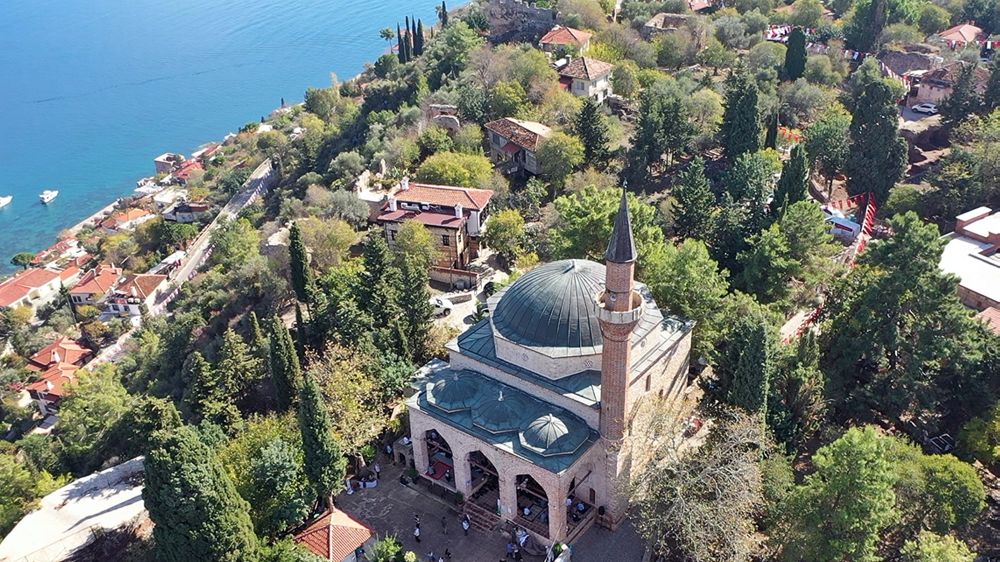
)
(440, 306)
(925, 108)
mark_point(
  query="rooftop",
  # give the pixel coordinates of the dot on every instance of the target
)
(585, 68)
(560, 35)
(971, 252)
(121, 217)
(55, 380)
(962, 33)
(426, 218)
(950, 72)
(23, 283)
(992, 318)
(141, 285)
(98, 281)
(63, 350)
(525, 134)
(347, 535)
(445, 195)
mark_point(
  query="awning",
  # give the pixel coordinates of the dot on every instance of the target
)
(511, 148)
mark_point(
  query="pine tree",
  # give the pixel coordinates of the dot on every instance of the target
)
(592, 128)
(795, 56)
(377, 295)
(258, 341)
(443, 14)
(747, 363)
(419, 38)
(300, 331)
(693, 202)
(302, 281)
(417, 311)
(740, 131)
(877, 158)
(400, 50)
(794, 183)
(204, 386)
(325, 466)
(197, 511)
(237, 367)
(771, 137)
(285, 371)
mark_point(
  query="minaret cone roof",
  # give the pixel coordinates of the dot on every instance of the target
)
(621, 248)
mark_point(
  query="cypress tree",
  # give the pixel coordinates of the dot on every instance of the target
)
(324, 464)
(443, 14)
(419, 38)
(258, 341)
(204, 386)
(592, 128)
(377, 295)
(400, 51)
(416, 307)
(795, 55)
(299, 265)
(300, 331)
(197, 511)
(877, 159)
(748, 364)
(237, 368)
(794, 183)
(693, 202)
(771, 137)
(740, 131)
(409, 40)
(285, 371)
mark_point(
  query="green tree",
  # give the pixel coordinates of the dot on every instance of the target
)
(299, 265)
(797, 406)
(400, 46)
(443, 14)
(418, 39)
(664, 127)
(592, 128)
(87, 417)
(877, 158)
(286, 374)
(964, 99)
(234, 243)
(767, 265)
(929, 547)
(508, 99)
(866, 24)
(750, 182)
(991, 99)
(19, 489)
(505, 236)
(281, 493)
(415, 242)
(746, 364)
(324, 465)
(558, 156)
(840, 511)
(827, 142)
(22, 259)
(741, 129)
(205, 387)
(416, 307)
(693, 202)
(237, 367)
(452, 168)
(387, 34)
(197, 512)
(795, 56)
(793, 186)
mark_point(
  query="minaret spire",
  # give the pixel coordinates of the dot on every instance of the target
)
(621, 247)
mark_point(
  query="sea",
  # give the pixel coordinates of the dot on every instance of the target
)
(92, 90)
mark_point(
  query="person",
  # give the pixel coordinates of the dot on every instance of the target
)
(377, 470)
(416, 519)
(444, 525)
(527, 511)
(447, 554)
(388, 453)
(359, 552)
(466, 524)
(510, 549)
(569, 501)
(431, 557)
(416, 532)
(406, 440)
(430, 469)
(517, 555)
(581, 507)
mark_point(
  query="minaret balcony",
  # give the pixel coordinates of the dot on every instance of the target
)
(629, 316)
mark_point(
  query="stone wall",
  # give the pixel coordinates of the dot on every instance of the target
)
(516, 21)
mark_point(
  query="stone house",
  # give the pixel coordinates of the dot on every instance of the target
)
(938, 84)
(62, 350)
(528, 418)
(962, 34)
(664, 23)
(126, 219)
(187, 212)
(514, 143)
(565, 39)
(167, 162)
(518, 21)
(587, 78)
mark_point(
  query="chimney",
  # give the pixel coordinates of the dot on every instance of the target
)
(392, 203)
(55, 356)
(404, 183)
(458, 211)
(49, 386)
(134, 292)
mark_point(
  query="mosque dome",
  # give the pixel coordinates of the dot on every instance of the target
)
(549, 435)
(453, 393)
(553, 306)
(504, 413)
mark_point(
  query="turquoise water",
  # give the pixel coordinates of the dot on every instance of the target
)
(92, 90)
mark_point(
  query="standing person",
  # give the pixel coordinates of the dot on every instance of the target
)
(377, 469)
(444, 525)
(466, 524)
(447, 554)
(517, 555)
(416, 532)
(416, 519)
(510, 549)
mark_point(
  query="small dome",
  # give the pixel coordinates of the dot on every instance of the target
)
(553, 306)
(549, 435)
(453, 393)
(502, 414)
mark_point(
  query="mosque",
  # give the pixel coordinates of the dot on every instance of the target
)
(527, 420)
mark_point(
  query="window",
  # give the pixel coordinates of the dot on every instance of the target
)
(445, 240)
(649, 381)
(392, 235)
(593, 497)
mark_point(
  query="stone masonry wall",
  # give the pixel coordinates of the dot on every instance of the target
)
(515, 21)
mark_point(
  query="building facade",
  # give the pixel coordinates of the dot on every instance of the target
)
(587, 78)
(972, 252)
(528, 419)
(514, 144)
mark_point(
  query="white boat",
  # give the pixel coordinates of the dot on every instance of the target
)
(48, 195)
(5, 200)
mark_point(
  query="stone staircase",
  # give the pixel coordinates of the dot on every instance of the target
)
(481, 518)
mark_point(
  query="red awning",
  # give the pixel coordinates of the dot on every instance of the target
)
(511, 148)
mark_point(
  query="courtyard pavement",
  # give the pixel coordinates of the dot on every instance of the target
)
(390, 509)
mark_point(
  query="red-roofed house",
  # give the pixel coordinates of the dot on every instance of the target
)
(50, 388)
(992, 318)
(962, 34)
(587, 78)
(939, 83)
(455, 217)
(95, 285)
(335, 536)
(29, 287)
(560, 37)
(126, 220)
(63, 350)
(186, 169)
(135, 292)
(515, 142)
(699, 5)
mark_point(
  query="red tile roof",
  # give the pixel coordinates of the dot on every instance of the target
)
(54, 381)
(560, 35)
(950, 72)
(186, 168)
(122, 217)
(698, 5)
(440, 220)
(347, 534)
(962, 33)
(445, 196)
(585, 68)
(144, 285)
(525, 134)
(98, 281)
(63, 350)
(23, 282)
(992, 318)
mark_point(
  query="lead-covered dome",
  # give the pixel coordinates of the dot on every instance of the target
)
(553, 306)
(549, 435)
(454, 393)
(503, 413)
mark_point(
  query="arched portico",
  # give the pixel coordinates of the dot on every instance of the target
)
(440, 463)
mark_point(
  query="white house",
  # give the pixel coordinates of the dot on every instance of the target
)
(587, 78)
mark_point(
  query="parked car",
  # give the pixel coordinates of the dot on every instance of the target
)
(925, 108)
(440, 306)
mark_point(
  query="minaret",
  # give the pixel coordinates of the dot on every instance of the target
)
(618, 310)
